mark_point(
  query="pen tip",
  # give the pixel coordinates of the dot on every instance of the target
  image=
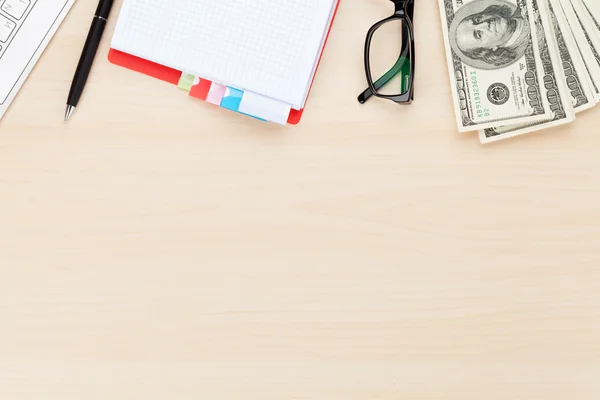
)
(69, 112)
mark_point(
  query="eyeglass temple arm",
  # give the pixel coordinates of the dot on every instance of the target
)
(364, 96)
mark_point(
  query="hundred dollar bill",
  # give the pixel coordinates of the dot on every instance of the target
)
(589, 21)
(591, 29)
(594, 23)
(593, 7)
(588, 24)
(554, 87)
(577, 78)
(494, 72)
(591, 58)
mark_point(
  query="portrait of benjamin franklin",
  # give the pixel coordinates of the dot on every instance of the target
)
(489, 34)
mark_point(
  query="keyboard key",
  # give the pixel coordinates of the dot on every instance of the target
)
(6, 28)
(15, 8)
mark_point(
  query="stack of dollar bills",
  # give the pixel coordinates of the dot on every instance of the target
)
(520, 66)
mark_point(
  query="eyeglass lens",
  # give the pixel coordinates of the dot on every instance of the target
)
(389, 58)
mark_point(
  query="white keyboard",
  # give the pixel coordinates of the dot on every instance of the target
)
(26, 27)
(13, 14)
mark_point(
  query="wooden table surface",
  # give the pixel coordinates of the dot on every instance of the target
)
(157, 247)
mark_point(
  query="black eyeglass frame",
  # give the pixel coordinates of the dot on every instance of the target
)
(404, 11)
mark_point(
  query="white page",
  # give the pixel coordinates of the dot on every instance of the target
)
(268, 47)
(26, 27)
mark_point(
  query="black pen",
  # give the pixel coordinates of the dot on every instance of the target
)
(87, 56)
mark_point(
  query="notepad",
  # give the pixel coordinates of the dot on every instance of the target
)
(269, 47)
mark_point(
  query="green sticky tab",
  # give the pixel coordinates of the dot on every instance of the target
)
(186, 82)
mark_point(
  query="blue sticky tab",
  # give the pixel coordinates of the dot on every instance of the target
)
(253, 116)
(232, 99)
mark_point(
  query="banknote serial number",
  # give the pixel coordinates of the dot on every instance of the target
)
(479, 109)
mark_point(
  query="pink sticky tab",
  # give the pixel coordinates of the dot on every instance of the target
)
(216, 94)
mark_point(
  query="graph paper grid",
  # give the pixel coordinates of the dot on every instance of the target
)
(269, 47)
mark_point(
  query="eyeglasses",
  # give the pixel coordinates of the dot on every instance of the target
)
(395, 83)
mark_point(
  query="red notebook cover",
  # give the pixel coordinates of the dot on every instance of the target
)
(172, 76)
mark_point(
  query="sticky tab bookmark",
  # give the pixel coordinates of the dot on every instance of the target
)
(200, 88)
(232, 99)
(186, 81)
(216, 93)
(265, 108)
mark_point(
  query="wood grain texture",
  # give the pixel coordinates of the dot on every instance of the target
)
(157, 247)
